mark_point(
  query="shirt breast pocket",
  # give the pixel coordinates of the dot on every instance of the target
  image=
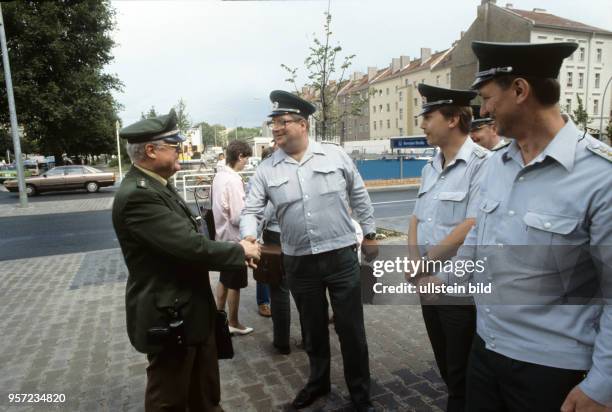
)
(281, 191)
(550, 229)
(484, 221)
(452, 207)
(328, 180)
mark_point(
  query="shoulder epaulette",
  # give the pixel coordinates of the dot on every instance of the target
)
(480, 152)
(601, 150)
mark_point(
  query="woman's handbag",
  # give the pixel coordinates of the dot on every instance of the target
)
(225, 349)
(270, 266)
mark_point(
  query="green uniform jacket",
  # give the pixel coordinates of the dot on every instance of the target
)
(168, 261)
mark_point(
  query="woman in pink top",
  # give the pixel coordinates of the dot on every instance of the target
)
(227, 204)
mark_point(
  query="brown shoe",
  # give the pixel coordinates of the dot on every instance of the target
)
(264, 310)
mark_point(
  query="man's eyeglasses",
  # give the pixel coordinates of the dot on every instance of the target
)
(175, 146)
(279, 124)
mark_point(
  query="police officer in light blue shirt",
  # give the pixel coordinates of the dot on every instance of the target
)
(545, 225)
(444, 213)
(311, 186)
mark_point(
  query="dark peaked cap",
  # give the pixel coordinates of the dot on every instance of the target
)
(477, 120)
(521, 59)
(156, 128)
(284, 102)
(436, 97)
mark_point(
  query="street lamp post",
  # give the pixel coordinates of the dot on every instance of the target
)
(603, 104)
(23, 198)
(118, 151)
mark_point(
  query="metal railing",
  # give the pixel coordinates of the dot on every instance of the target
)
(200, 183)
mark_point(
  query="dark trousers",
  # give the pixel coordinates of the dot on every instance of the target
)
(451, 327)
(280, 305)
(309, 277)
(497, 383)
(184, 377)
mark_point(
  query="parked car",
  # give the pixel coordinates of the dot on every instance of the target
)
(65, 178)
(10, 172)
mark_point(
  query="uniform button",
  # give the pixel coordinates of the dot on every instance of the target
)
(487, 310)
(511, 212)
(436, 197)
(315, 249)
(308, 214)
(500, 245)
(492, 345)
(429, 219)
(311, 231)
(302, 180)
(443, 177)
(305, 196)
(547, 225)
(521, 178)
(427, 242)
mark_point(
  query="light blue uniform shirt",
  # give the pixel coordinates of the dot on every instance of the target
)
(560, 204)
(448, 196)
(311, 198)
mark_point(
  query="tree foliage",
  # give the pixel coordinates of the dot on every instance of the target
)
(58, 51)
(322, 68)
(580, 115)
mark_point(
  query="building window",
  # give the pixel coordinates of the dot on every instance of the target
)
(380, 92)
(597, 79)
(374, 108)
(374, 125)
(388, 124)
(401, 131)
(400, 96)
(380, 124)
(438, 80)
(401, 114)
(598, 55)
(570, 78)
(380, 108)
(407, 82)
(568, 105)
(395, 105)
(396, 122)
(580, 80)
(595, 106)
(388, 107)
(448, 78)
(581, 51)
(387, 91)
(416, 121)
(416, 102)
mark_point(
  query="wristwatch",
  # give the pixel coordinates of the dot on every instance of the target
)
(370, 236)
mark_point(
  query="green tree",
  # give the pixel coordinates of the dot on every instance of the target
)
(322, 68)
(182, 118)
(150, 114)
(58, 51)
(580, 115)
(609, 132)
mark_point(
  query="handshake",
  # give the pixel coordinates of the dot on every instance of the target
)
(252, 251)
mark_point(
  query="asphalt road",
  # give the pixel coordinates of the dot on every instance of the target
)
(45, 235)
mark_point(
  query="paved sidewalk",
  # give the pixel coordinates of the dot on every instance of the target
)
(63, 331)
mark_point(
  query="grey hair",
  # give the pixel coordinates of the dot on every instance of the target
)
(136, 151)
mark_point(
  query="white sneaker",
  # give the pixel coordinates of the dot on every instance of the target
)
(238, 331)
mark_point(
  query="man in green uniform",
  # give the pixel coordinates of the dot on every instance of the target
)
(169, 303)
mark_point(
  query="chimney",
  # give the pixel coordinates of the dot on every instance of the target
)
(357, 76)
(509, 5)
(371, 73)
(404, 61)
(539, 10)
(425, 54)
(395, 65)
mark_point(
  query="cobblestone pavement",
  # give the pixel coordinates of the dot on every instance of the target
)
(63, 331)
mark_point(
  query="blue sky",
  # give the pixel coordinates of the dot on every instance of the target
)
(223, 58)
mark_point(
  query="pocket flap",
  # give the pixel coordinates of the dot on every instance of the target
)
(325, 169)
(489, 205)
(172, 298)
(278, 181)
(452, 196)
(561, 225)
